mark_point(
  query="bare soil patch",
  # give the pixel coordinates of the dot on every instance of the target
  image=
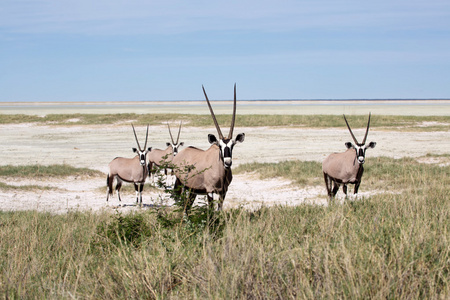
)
(95, 146)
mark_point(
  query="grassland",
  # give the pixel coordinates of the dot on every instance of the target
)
(394, 244)
(411, 123)
(391, 245)
(385, 173)
(39, 172)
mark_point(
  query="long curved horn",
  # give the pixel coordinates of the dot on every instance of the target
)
(212, 115)
(146, 137)
(179, 130)
(139, 146)
(171, 137)
(367, 131)
(230, 135)
(348, 126)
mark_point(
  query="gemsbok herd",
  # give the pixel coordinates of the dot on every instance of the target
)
(208, 172)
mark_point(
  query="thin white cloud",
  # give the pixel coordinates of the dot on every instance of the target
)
(178, 16)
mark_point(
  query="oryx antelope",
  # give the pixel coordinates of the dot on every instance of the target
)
(157, 156)
(129, 170)
(347, 167)
(208, 171)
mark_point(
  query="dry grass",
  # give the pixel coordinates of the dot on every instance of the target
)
(392, 245)
(382, 173)
(409, 123)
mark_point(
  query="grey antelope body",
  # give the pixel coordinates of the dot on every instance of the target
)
(208, 171)
(129, 170)
(347, 167)
(156, 157)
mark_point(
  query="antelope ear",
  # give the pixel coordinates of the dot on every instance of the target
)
(349, 145)
(149, 149)
(134, 150)
(212, 139)
(371, 145)
(168, 144)
(181, 144)
(240, 137)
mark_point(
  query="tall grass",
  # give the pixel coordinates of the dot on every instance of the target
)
(392, 245)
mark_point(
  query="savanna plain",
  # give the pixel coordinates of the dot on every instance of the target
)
(278, 236)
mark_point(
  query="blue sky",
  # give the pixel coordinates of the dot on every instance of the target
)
(58, 50)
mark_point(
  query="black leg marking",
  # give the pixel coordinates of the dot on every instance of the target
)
(335, 188)
(136, 188)
(141, 188)
(189, 199)
(358, 181)
(221, 199)
(210, 197)
(108, 188)
(327, 184)
(118, 186)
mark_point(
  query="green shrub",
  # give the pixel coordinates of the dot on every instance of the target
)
(125, 229)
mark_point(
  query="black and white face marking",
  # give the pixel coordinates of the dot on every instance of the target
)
(142, 155)
(175, 147)
(360, 150)
(226, 147)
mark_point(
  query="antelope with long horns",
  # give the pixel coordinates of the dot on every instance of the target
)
(129, 170)
(157, 156)
(347, 167)
(208, 171)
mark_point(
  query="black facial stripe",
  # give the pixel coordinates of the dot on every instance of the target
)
(227, 152)
(361, 152)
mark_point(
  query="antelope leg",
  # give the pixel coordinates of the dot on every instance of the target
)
(136, 188)
(118, 186)
(327, 184)
(210, 197)
(335, 188)
(141, 188)
(221, 199)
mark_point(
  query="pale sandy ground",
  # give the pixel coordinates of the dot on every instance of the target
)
(298, 107)
(95, 146)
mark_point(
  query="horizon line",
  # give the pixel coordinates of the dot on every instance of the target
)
(249, 100)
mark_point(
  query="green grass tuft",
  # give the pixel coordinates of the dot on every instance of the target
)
(379, 172)
(28, 187)
(46, 171)
(302, 173)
